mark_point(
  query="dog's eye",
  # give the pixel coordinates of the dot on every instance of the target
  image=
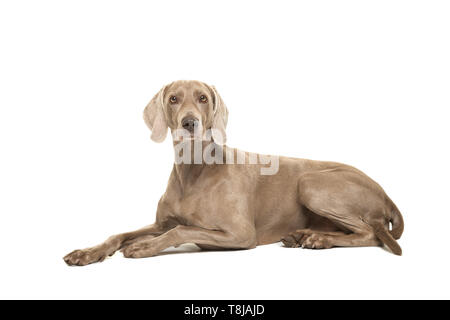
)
(203, 99)
(173, 99)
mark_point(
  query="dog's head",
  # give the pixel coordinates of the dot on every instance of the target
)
(185, 106)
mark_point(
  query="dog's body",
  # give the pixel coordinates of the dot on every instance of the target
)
(307, 203)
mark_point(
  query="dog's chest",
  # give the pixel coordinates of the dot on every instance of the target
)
(194, 210)
(199, 201)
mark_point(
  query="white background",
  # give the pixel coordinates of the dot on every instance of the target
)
(360, 82)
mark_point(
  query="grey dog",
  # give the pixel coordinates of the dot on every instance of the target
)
(309, 204)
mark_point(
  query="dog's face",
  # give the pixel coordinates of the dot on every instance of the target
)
(190, 107)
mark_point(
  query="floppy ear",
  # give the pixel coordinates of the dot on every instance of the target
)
(220, 119)
(154, 117)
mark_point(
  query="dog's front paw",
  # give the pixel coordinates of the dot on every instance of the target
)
(85, 256)
(138, 250)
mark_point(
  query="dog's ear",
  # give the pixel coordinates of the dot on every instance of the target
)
(155, 117)
(219, 123)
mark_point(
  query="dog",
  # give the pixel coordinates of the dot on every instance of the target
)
(218, 205)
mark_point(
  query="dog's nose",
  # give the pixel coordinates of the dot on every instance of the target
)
(189, 123)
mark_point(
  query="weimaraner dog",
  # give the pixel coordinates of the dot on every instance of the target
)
(218, 205)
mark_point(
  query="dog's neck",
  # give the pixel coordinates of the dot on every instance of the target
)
(188, 172)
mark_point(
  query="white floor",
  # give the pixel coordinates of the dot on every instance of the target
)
(267, 272)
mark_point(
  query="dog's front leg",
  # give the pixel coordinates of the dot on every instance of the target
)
(244, 239)
(112, 244)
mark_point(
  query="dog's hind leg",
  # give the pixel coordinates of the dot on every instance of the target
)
(311, 239)
(352, 202)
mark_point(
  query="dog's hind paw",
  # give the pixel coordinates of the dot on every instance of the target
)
(306, 239)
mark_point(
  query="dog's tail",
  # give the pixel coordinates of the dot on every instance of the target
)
(386, 237)
(389, 237)
(397, 222)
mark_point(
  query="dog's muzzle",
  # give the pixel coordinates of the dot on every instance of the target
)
(190, 124)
